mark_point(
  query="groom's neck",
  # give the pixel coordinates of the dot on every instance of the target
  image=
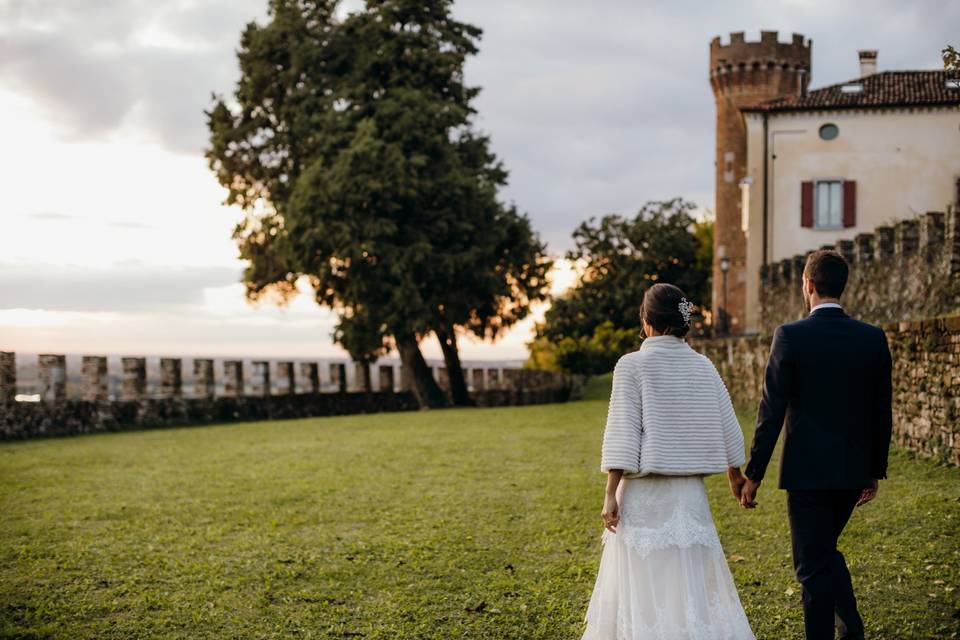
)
(815, 300)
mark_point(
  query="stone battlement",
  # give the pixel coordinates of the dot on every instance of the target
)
(768, 39)
(906, 271)
(270, 391)
(740, 60)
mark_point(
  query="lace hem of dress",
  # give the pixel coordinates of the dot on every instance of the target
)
(681, 530)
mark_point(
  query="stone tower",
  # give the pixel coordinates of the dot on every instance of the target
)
(742, 74)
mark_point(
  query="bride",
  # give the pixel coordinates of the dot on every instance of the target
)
(663, 574)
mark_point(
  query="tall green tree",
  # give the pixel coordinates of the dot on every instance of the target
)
(951, 61)
(486, 301)
(622, 257)
(486, 264)
(703, 262)
(951, 58)
(349, 145)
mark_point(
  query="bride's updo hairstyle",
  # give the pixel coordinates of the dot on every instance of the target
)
(661, 310)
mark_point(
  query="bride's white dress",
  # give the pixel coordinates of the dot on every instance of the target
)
(663, 574)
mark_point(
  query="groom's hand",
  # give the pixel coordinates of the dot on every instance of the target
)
(868, 494)
(748, 495)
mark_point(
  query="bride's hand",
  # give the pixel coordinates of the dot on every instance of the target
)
(736, 480)
(611, 512)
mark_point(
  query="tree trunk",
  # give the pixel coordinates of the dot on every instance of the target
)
(451, 357)
(420, 379)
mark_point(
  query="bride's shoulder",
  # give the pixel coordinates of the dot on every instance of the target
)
(630, 359)
(709, 368)
(699, 362)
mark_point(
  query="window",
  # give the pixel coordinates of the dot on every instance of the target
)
(828, 204)
(829, 131)
(828, 208)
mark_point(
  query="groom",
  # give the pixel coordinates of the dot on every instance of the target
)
(828, 379)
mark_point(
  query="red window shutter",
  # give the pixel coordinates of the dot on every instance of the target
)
(849, 203)
(806, 203)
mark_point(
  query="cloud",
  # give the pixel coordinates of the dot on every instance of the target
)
(49, 215)
(125, 224)
(127, 287)
(592, 109)
(599, 110)
(99, 68)
(45, 216)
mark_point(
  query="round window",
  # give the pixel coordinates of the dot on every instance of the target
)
(829, 131)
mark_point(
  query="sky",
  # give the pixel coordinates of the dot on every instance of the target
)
(114, 238)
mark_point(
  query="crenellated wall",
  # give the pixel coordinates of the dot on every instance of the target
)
(907, 271)
(134, 408)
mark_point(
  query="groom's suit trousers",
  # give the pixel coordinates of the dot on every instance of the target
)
(817, 517)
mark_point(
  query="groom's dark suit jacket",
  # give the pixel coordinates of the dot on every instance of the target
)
(828, 381)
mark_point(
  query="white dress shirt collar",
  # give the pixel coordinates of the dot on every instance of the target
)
(826, 305)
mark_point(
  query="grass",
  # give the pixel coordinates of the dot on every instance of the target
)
(473, 523)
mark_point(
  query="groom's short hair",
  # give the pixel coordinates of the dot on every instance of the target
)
(828, 270)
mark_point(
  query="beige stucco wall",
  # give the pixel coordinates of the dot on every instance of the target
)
(754, 222)
(905, 162)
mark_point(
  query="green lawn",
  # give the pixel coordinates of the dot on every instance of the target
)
(477, 523)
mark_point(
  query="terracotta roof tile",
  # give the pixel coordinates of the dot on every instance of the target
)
(884, 89)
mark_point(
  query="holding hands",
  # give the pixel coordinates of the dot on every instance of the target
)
(743, 488)
(748, 499)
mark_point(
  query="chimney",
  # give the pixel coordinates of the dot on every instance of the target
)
(868, 62)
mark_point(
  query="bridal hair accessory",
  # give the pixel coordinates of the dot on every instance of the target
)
(685, 307)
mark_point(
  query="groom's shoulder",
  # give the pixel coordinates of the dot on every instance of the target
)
(875, 332)
(795, 331)
(789, 328)
(808, 326)
(866, 327)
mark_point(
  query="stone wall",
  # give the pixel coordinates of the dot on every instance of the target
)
(73, 417)
(907, 271)
(926, 386)
(741, 362)
(926, 381)
(135, 409)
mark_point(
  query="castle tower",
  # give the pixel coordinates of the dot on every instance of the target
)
(741, 74)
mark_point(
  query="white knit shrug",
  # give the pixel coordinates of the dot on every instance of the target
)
(669, 414)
